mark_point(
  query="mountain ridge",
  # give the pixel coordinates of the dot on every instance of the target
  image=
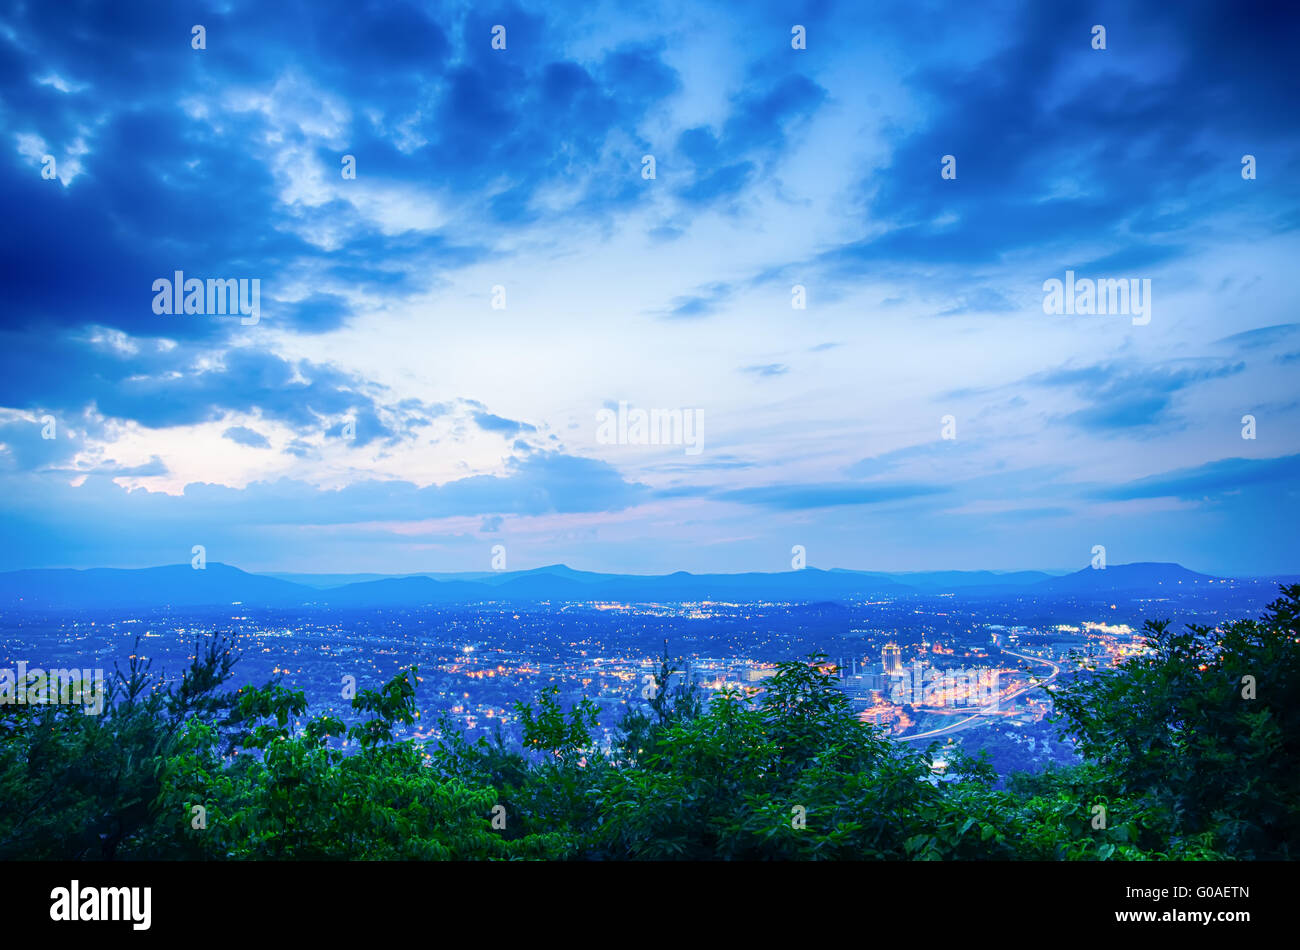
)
(220, 584)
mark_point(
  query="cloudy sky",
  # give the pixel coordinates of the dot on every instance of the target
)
(383, 415)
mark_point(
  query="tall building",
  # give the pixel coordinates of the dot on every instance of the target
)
(892, 658)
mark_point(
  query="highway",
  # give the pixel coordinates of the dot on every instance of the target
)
(992, 708)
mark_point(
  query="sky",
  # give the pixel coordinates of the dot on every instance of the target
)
(442, 337)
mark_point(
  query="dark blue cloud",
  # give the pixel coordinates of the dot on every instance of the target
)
(159, 387)
(83, 525)
(243, 435)
(1214, 479)
(801, 497)
(694, 306)
(150, 469)
(1262, 336)
(544, 483)
(723, 462)
(766, 369)
(931, 452)
(318, 313)
(163, 189)
(1130, 397)
(754, 135)
(507, 427)
(1058, 144)
(980, 300)
(24, 447)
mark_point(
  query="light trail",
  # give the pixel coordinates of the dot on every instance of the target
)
(992, 708)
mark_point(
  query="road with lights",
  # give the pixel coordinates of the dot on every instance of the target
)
(992, 708)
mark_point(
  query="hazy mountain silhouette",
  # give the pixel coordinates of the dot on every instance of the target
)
(1144, 575)
(176, 585)
(220, 584)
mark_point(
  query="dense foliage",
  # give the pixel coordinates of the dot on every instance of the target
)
(1190, 752)
(1204, 732)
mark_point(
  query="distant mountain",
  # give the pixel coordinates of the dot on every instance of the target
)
(809, 584)
(560, 571)
(559, 583)
(1143, 576)
(326, 581)
(221, 584)
(412, 591)
(177, 585)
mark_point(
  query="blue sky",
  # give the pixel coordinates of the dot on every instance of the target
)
(382, 415)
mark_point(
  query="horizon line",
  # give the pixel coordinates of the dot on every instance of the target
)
(489, 572)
